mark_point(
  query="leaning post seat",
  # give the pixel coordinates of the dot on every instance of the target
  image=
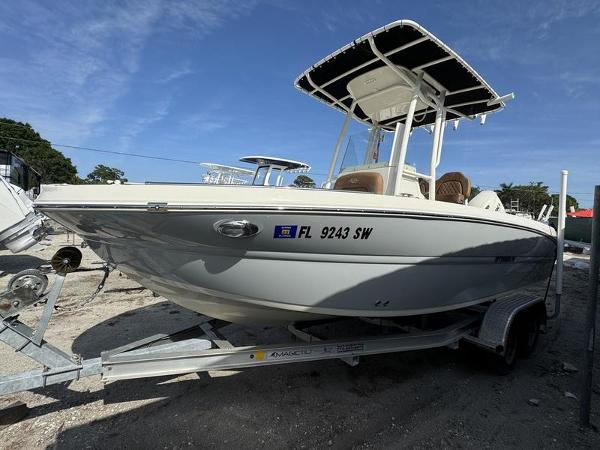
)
(453, 187)
(360, 181)
(424, 187)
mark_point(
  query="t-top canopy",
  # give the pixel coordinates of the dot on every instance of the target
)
(373, 70)
(287, 164)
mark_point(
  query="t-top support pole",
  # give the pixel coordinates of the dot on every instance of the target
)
(560, 240)
(394, 156)
(279, 180)
(338, 145)
(406, 135)
(590, 320)
(436, 145)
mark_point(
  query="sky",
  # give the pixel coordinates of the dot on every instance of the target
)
(212, 80)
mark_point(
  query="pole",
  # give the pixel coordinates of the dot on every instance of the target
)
(560, 241)
(405, 136)
(394, 156)
(590, 320)
(338, 145)
(437, 131)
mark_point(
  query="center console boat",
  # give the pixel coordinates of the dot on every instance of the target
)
(381, 240)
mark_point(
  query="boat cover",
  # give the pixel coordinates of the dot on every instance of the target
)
(406, 44)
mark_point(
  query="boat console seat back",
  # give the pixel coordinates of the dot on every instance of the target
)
(453, 187)
(424, 187)
(360, 181)
(487, 200)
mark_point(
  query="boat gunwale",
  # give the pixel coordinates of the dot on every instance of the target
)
(287, 210)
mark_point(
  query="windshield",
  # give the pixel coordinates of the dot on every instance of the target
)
(368, 147)
(260, 175)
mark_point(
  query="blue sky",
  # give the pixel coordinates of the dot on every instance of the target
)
(208, 80)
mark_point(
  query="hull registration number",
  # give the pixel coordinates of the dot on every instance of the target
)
(326, 232)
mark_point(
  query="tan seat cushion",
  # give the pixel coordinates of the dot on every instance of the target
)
(452, 187)
(360, 181)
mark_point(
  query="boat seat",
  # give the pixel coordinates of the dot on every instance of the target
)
(453, 187)
(424, 187)
(360, 181)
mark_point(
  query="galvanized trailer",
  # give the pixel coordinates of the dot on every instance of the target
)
(504, 327)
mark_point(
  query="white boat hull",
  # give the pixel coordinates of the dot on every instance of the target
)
(408, 263)
(20, 227)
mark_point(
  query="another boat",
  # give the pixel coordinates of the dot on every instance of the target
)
(382, 241)
(270, 166)
(221, 174)
(20, 226)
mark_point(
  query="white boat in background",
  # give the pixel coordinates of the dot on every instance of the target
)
(20, 226)
(271, 166)
(383, 241)
(222, 174)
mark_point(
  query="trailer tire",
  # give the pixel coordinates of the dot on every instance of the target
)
(528, 327)
(504, 363)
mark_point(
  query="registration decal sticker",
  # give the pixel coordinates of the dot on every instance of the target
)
(285, 231)
(327, 232)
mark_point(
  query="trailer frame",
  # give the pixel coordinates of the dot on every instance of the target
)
(205, 348)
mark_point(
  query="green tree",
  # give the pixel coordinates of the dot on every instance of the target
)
(21, 139)
(304, 181)
(531, 197)
(474, 191)
(101, 174)
(506, 192)
(571, 201)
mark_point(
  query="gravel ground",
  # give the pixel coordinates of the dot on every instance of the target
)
(425, 399)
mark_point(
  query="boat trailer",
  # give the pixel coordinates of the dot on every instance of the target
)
(204, 348)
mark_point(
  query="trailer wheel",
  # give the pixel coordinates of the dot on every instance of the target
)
(528, 327)
(31, 277)
(504, 363)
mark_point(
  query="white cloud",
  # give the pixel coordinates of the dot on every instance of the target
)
(70, 63)
(515, 29)
(155, 113)
(212, 117)
(176, 72)
(203, 123)
(546, 14)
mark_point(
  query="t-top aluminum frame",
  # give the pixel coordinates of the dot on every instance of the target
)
(402, 132)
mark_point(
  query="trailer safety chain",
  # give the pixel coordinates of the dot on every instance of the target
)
(107, 270)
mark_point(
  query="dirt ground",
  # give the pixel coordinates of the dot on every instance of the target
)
(427, 399)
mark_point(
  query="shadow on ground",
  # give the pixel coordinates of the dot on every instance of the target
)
(251, 408)
(163, 317)
(275, 406)
(16, 263)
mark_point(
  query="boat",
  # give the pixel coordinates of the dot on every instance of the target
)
(269, 166)
(20, 226)
(222, 174)
(380, 240)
